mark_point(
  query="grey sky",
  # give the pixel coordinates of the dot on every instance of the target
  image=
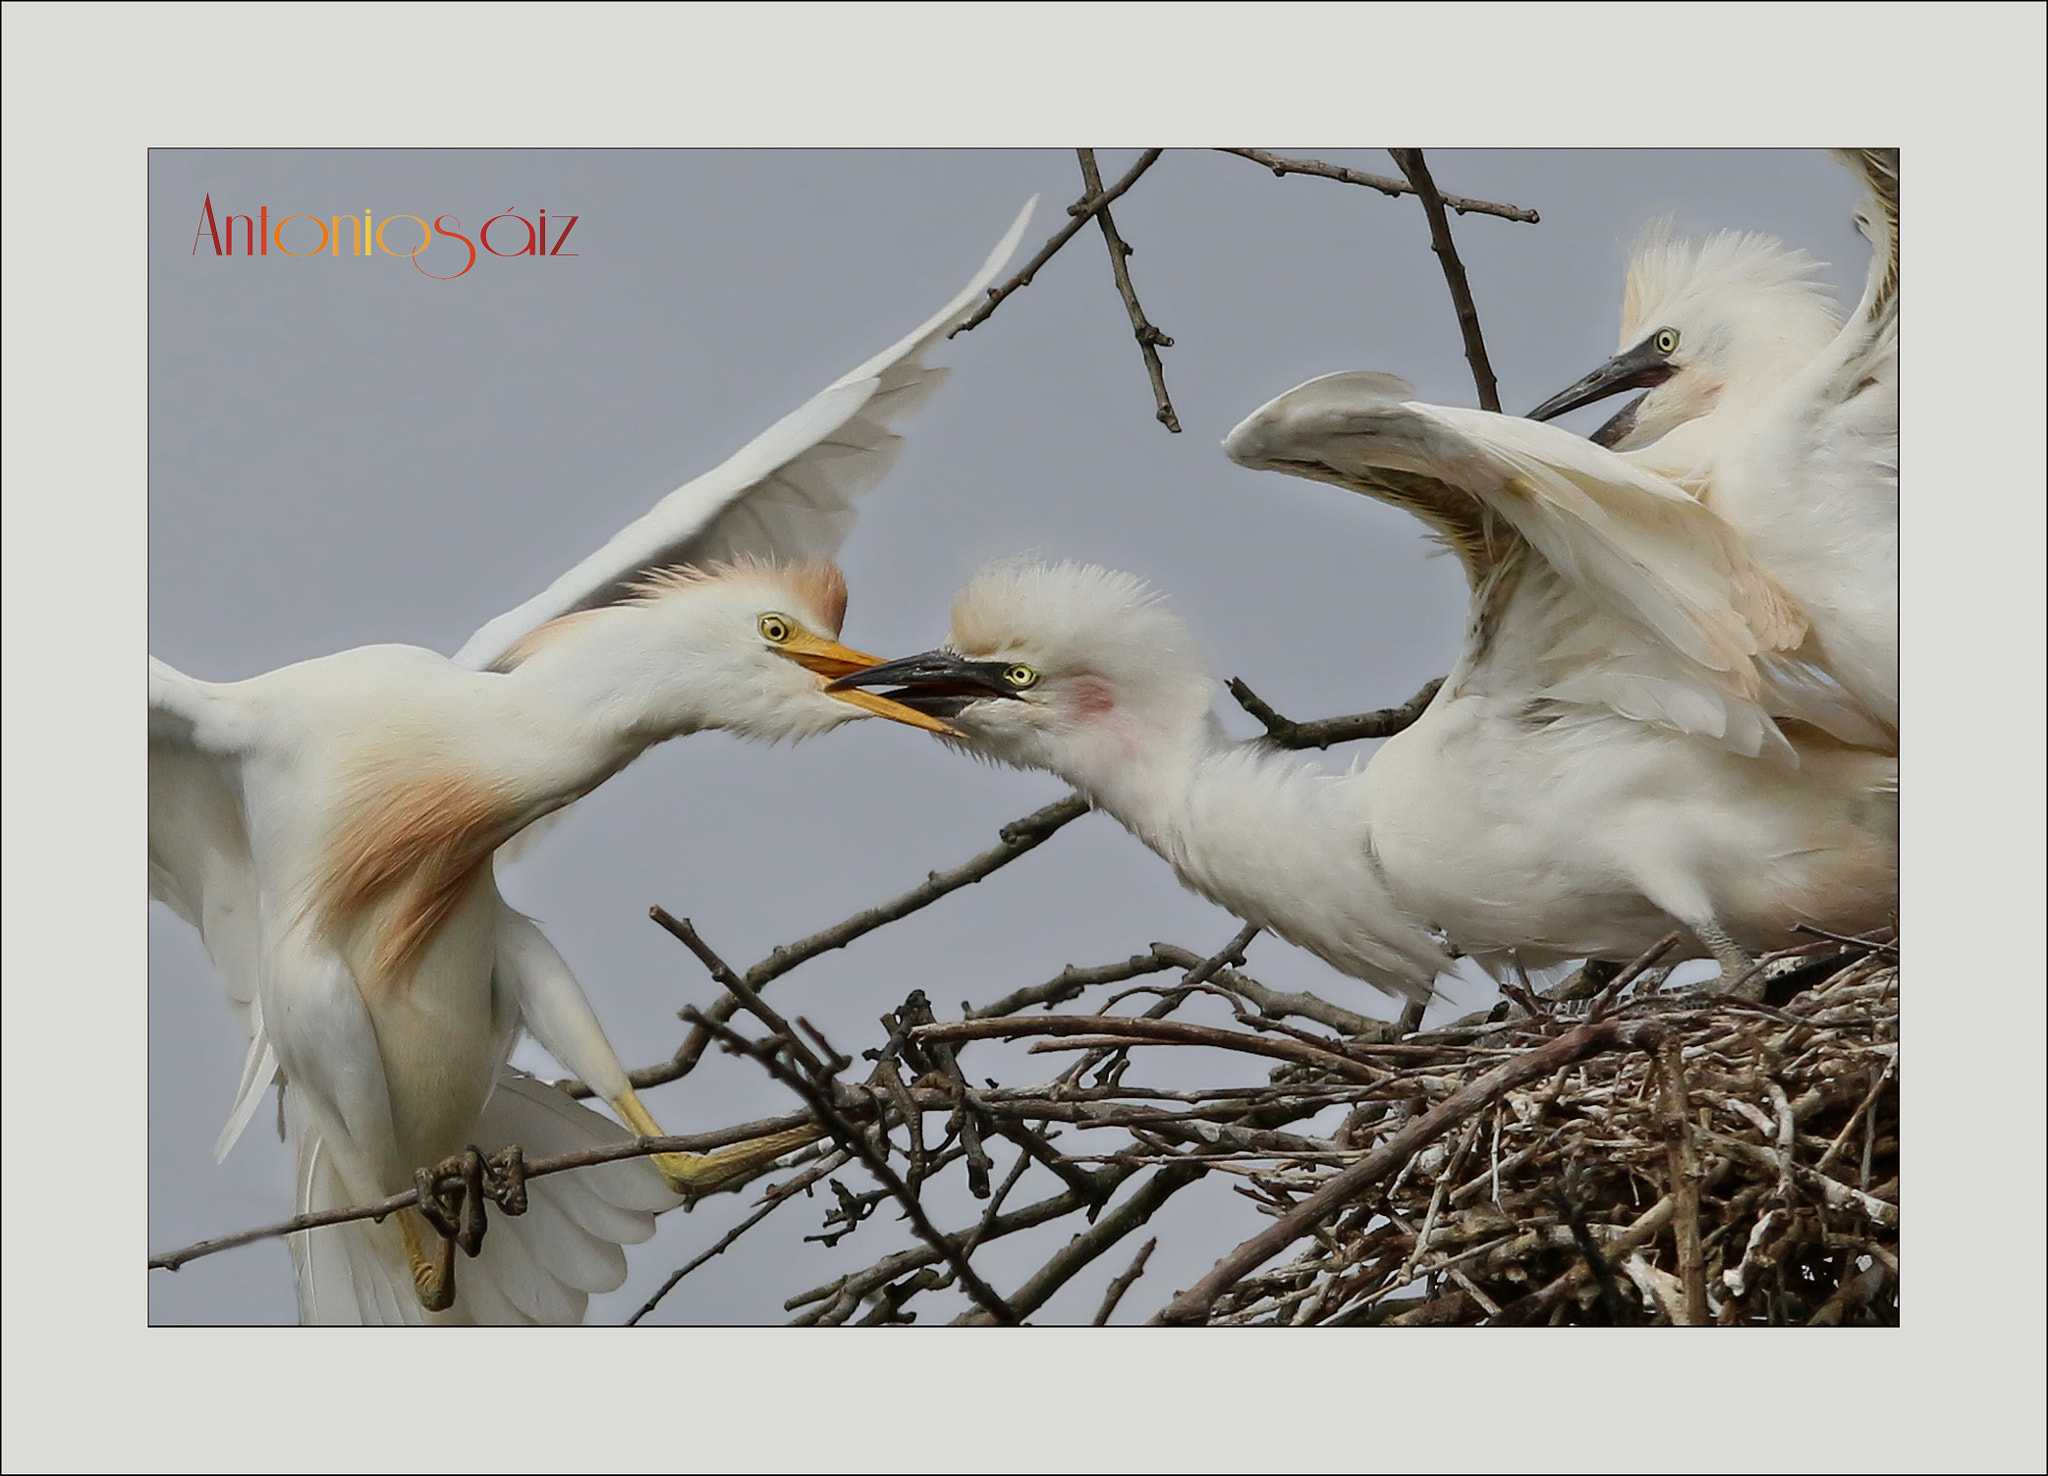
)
(345, 451)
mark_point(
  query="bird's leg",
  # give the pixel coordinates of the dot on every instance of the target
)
(1737, 977)
(703, 1173)
(433, 1281)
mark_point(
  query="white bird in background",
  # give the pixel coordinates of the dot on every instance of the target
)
(330, 828)
(1634, 733)
(1762, 402)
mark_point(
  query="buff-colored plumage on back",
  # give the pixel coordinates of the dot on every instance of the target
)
(402, 856)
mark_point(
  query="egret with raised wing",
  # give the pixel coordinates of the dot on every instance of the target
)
(1634, 734)
(330, 828)
(1762, 401)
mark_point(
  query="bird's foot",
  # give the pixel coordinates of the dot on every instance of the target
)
(1739, 976)
(433, 1278)
(694, 1174)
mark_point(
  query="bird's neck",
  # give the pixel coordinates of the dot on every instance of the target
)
(613, 682)
(1281, 843)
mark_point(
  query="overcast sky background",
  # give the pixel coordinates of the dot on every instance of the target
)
(345, 451)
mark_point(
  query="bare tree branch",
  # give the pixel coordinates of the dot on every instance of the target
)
(1123, 1283)
(1014, 840)
(1097, 1239)
(1081, 211)
(1383, 722)
(1413, 165)
(1150, 339)
(1284, 167)
(817, 1096)
(775, 1199)
(1102, 1030)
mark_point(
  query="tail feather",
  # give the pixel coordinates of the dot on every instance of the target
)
(540, 1267)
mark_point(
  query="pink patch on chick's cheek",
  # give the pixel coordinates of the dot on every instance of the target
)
(1092, 698)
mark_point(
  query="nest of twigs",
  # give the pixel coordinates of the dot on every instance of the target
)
(1671, 1159)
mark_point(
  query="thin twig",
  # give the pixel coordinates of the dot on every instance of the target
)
(1393, 187)
(1098, 1238)
(777, 1197)
(1413, 165)
(1123, 1283)
(1014, 839)
(1150, 339)
(817, 1097)
(1682, 1169)
(1080, 211)
(1382, 722)
(1279, 1003)
(1102, 1030)
(534, 1168)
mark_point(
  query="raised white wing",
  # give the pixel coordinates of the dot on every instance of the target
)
(1815, 483)
(787, 494)
(199, 853)
(1687, 623)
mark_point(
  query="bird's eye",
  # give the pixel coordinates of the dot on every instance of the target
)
(1021, 676)
(777, 628)
(1666, 341)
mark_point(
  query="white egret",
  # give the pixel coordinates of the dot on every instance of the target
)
(1761, 401)
(330, 827)
(1634, 732)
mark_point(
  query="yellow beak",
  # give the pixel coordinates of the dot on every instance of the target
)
(831, 661)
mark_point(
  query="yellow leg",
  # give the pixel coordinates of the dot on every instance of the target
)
(704, 1173)
(433, 1281)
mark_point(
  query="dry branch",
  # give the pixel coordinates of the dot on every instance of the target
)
(1413, 165)
(1081, 211)
(1150, 339)
(1283, 167)
(1383, 722)
(1013, 840)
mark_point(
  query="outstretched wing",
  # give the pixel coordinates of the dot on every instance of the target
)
(199, 852)
(1815, 484)
(1689, 616)
(787, 494)
(1878, 221)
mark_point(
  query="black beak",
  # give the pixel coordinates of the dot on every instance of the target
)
(1642, 367)
(938, 683)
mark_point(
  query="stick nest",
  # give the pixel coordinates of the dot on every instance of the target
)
(1718, 1161)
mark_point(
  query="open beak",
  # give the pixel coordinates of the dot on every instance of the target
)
(939, 683)
(835, 662)
(1642, 367)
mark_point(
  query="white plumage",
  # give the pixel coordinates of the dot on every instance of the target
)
(1636, 732)
(1781, 416)
(329, 828)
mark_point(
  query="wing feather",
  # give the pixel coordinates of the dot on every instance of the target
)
(199, 862)
(1642, 599)
(787, 494)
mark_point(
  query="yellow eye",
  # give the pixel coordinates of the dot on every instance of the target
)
(1666, 340)
(777, 628)
(1021, 676)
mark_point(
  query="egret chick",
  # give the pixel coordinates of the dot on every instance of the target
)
(1084, 672)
